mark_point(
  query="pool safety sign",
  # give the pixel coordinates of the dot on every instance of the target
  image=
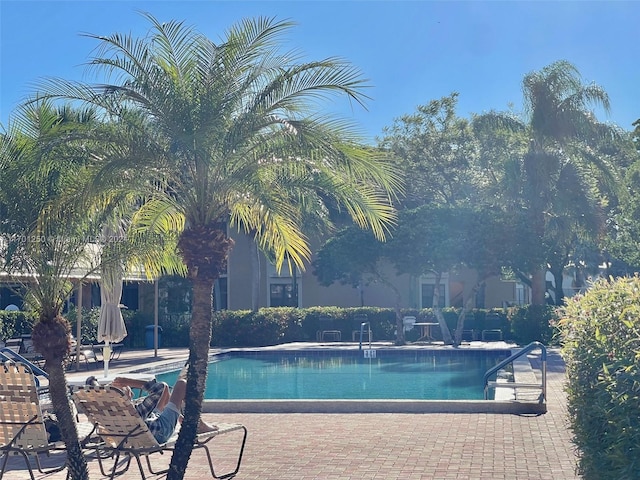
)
(369, 353)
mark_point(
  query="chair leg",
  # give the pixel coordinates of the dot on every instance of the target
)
(228, 475)
(150, 467)
(52, 470)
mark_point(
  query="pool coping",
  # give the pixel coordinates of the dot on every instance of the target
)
(374, 406)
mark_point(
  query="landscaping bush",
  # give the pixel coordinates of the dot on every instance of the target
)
(88, 324)
(533, 323)
(601, 340)
(270, 326)
(136, 323)
(15, 324)
(243, 328)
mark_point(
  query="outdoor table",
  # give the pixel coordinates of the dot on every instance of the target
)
(426, 330)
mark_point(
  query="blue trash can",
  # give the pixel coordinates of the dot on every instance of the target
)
(149, 336)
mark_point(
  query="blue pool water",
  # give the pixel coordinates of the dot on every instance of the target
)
(413, 375)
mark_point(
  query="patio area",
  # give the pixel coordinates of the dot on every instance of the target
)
(382, 446)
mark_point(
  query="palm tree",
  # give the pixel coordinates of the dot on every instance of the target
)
(561, 162)
(45, 237)
(230, 134)
(561, 126)
(52, 228)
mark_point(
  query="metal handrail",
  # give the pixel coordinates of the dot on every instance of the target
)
(507, 361)
(362, 334)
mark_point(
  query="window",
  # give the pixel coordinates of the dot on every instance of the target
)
(10, 296)
(130, 295)
(220, 294)
(427, 295)
(284, 287)
(282, 295)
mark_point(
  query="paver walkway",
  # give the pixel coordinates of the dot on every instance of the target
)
(396, 446)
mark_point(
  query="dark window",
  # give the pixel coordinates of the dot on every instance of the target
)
(282, 295)
(220, 294)
(95, 295)
(130, 296)
(9, 296)
(427, 295)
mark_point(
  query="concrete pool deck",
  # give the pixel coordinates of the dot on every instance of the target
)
(376, 446)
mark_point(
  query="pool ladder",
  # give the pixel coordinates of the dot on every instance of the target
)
(362, 325)
(543, 385)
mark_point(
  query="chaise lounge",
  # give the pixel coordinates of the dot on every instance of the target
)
(125, 433)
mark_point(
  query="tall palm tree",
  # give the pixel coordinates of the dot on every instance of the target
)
(561, 159)
(230, 134)
(561, 125)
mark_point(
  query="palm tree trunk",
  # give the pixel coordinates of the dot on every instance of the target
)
(51, 337)
(76, 462)
(200, 338)
(204, 250)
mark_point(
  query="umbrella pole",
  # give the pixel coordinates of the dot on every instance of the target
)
(106, 355)
(79, 326)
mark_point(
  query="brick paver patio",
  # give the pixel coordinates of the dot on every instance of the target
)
(394, 446)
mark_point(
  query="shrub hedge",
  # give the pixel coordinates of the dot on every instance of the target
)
(533, 323)
(270, 326)
(14, 324)
(601, 346)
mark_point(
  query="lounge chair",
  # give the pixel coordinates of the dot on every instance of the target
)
(124, 432)
(22, 428)
(328, 330)
(492, 328)
(8, 354)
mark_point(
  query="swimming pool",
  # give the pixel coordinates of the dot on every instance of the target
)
(347, 375)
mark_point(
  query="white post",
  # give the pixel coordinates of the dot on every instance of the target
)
(106, 356)
(79, 326)
(155, 319)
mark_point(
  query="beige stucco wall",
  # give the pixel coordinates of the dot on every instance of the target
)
(240, 275)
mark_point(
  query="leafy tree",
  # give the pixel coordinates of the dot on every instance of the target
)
(623, 243)
(355, 257)
(428, 239)
(229, 134)
(436, 150)
(438, 153)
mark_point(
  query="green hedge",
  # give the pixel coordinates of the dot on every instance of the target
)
(15, 324)
(534, 323)
(601, 335)
(270, 326)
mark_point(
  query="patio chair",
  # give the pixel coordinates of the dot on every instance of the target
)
(22, 427)
(492, 330)
(125, 433)
(408, 322)
(327, 331)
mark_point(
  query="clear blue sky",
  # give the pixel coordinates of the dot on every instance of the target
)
(411, 52)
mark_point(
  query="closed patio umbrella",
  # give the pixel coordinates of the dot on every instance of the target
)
(111, 327)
